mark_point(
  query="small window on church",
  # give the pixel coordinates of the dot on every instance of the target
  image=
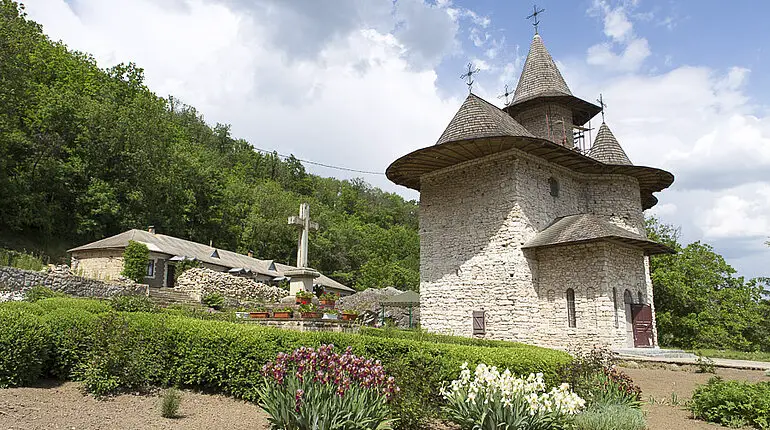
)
(615, 306)
(571, 318)
(479, 325)
(554, 184)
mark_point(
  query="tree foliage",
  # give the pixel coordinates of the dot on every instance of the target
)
(700, 302)
(88, 152)
(135, 259)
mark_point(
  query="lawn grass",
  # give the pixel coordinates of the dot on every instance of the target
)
(733, 355)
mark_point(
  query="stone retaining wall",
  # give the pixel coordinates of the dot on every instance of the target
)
(308, 325)
(15, 282)
(199, 282)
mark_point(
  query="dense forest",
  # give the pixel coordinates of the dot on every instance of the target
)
(87, 153)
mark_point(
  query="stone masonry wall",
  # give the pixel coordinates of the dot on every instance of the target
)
(104, 264)
(551, 121)
(474, 218)
(199, 282)
(15, 282)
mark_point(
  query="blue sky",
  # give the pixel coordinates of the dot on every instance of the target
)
(358, 83)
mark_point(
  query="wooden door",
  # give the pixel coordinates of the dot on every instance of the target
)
(642, 322)
(171, 275)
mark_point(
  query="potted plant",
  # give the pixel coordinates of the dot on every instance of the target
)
(304, 297)
(331, 314)
(259, 312)
(328, 299)
(349, 315)
(283, 313)
(309, 311)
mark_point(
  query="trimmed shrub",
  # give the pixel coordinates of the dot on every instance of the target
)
(732, 403)
(610, 417)
(33, 308)
(213, 300)
(24, 347)
(424, 336)
(88, 305)
(73, 334)
(131, 303)
(135, 259)
(40, 292)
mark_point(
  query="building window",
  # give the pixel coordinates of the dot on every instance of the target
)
(151, 269)
(554, 184)
(479, 324)
(571, 318)
(615, 306)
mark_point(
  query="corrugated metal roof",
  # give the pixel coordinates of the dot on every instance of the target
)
(582, 228)
(174, 246)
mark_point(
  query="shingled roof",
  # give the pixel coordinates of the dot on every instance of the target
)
(541, 81)
(477, 118)
(607, 149)
(576, 229)
(540, 75)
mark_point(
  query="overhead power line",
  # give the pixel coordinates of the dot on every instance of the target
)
(315, 163)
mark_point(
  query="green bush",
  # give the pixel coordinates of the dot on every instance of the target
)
(610, 417)
(89, 305)
(20, 260)
(184, 266)
(24, 347)
(73, 334)
(732, 403)
(33, 308)
(135, 259)
(213, 300)
(424, 336)
(40, 292)
(131, 350)
(132, 303)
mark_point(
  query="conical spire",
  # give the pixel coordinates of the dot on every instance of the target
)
(607, 149)
(477, 118)
(540, 76)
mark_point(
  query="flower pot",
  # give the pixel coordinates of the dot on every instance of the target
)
(349, 317)
(259, 314)
(283, 315)
(311, 315)
(303, 301)
(328, 302)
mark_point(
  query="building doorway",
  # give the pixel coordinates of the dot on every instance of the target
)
(170, 275)
(642, 326)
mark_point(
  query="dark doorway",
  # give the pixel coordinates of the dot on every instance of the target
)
(642, 323)
(170, 275)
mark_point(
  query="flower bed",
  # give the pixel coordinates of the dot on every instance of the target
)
(120, 350)
(732, 403)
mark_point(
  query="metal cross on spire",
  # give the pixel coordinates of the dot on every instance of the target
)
(505, 94)
(469, 75)
(534, 15)
(601, 105)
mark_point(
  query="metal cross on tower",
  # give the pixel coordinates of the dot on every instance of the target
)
(534, 15)
(601, 105)
(469, 75)
(305, 225)
(505, 94)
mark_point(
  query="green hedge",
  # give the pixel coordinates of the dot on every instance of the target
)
(732, 403)
(424, 336)
(24, 346)
(112, 351)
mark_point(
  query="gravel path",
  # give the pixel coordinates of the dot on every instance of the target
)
(63, 406)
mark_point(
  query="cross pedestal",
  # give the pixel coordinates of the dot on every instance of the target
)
(301, 280)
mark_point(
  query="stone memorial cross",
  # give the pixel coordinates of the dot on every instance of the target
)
(305, 225)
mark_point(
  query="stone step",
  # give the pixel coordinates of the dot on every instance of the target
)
(168, 296)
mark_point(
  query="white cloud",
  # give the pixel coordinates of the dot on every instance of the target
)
(743, 211)
(624, 51)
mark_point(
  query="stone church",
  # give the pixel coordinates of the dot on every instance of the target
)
(527, 231)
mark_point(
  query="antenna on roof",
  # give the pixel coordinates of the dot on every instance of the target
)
(469, 75)
(602, 105)
(505, 94)
(534, 15)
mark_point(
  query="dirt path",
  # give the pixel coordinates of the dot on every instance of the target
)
(63, 406)
(665, 393)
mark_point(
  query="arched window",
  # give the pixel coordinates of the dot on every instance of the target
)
(615, 306)
(554, 184)
(571, 319)
(628, 298)
(641, 297)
